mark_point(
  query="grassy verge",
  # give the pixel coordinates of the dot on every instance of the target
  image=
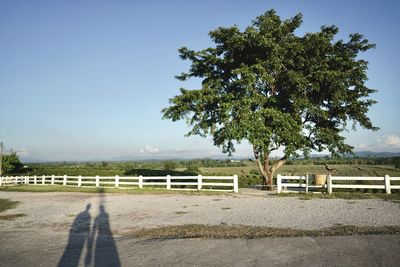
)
(60, 188)
(10, 217)
(344, 195)
(253, 232)
(6, 204)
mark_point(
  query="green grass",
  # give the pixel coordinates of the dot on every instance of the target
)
(253, 232)
(6, 204)
(60, 188)
(181, 212)
(10, 217)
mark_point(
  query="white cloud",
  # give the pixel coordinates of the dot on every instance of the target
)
(23, 152)
(362, 146)
(393, 141)
(149, 149)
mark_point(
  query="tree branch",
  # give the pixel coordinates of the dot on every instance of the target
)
(258, 161)
(278, 163)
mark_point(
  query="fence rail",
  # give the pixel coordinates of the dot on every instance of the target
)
(214, 183)
(346, 182)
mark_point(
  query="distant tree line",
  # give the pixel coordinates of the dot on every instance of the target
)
(351, 161)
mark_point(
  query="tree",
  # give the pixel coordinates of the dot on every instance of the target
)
(276, 90)
(11, 164)
(169, 165)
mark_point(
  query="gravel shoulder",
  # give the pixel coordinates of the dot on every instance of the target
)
(128, 212)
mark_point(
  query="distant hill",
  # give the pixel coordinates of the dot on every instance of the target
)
(370, 154)
(360, 154)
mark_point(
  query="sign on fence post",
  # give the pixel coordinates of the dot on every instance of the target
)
(199, 182)
(65, 180)
(34, 179)
(116, 181)
(279, 183)
(97, 181)
(79, 181)
(387, 184)
(235, 184)
(140, 181)
(43, 178)
(329, 183)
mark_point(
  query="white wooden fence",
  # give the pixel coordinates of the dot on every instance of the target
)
(303, 183)
(214, 183)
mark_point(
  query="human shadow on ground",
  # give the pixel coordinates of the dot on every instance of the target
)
(101, 249)
(106, 252)
(78, 237)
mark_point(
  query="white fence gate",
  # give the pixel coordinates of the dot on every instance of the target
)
(212, 183)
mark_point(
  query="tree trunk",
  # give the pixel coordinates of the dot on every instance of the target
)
(266, 169)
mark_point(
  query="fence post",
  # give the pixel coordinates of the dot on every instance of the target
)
(34, 179)
(279, 183)
(79, 181)
(140, 181)
(307, 183)
(329, 183)
(387, 184)
(65, 180)
(168, 182)
(116, 181)
(97, 181)
(235, 184)
(43, 179)
(52, 180)
(199, 182)
(1, 180)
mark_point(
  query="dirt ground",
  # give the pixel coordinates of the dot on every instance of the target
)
(71, 229)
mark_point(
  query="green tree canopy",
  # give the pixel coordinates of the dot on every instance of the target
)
(276, 89)
(11, 164)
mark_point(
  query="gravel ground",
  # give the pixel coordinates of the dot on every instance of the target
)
(56, 211)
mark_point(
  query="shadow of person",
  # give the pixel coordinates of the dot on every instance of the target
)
(106, 253)
(78, 236)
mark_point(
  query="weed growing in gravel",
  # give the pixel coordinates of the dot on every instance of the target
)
(11, 216)
(181, 212)
(252, 232)
(6, 204)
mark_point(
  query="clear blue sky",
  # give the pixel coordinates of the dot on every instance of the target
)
(86, 80)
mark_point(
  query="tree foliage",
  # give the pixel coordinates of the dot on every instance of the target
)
(275, 89)
(11, 164)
